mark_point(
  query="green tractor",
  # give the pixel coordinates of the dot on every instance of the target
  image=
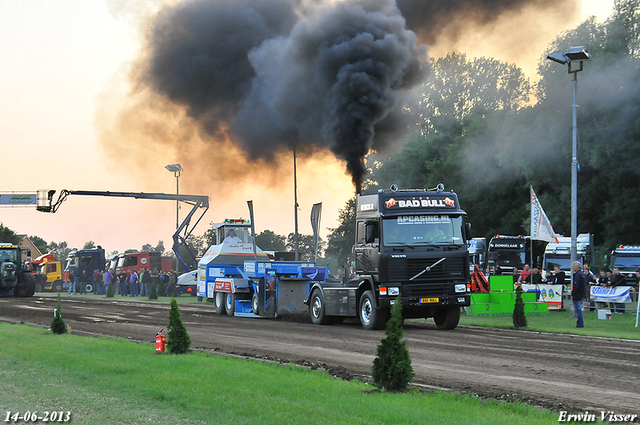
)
(13, 275)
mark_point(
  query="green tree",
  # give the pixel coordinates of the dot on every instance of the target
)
(270, 241)
(178, 340)
(58, 326)
(8, 236)
(153, 291)
(519, 319)
(305, 246)
(341, 239)
(392, 368)
(480, 137)
(210, 236)
(89, 245)
(40, 243)
(111, 290)
(60, 250)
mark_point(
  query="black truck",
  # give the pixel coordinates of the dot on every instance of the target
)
(409, 243)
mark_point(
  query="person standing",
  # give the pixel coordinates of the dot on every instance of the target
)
(591, 281)
(173, 281)
(122, 282)
(578, 291)
(617, 279)
(145, 280)
(154, 280)
(559, 274)
(133, 283)
(84, 280)
(524, 274)
(108, 278)
(72, 283)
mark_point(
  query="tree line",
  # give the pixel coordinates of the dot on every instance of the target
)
(487, 132)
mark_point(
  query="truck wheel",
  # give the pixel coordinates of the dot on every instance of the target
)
(316, 309)
(219, 297)
(26, 286)
(89, 288)
(254, 304)
(447, 318)
(57, 286)
(230, 303)
(369, 316)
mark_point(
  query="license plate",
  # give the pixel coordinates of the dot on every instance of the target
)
(429, 300)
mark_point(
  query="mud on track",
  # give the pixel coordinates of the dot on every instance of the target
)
(558, 371)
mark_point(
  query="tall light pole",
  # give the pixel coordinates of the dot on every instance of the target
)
(574, 54)
(296, 242)
(175, 169)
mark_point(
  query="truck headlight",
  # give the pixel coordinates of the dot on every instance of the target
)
(394, 291)
(461, 288)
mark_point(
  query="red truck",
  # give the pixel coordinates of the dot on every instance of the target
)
(148, 260)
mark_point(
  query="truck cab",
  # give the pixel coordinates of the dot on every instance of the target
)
(84, 259)
(412, 244)
(559, 254)
(627, 259)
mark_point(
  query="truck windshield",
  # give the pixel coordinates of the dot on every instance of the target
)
(563, 263)
(416, 230)
(72, 262)
(9, 255)
(508, 258)
(627, 262)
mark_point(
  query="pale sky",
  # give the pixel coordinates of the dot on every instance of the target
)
(58, 60)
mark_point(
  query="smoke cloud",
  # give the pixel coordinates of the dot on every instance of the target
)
(269, 74)
(240, 82)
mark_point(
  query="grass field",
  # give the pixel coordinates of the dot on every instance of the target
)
(619, 326)
(113, 381)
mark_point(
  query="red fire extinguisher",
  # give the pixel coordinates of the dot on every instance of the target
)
(160, 341)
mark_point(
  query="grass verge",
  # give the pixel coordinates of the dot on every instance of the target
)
(619, 326)
(112, 381)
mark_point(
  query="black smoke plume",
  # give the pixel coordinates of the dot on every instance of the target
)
(274, 73)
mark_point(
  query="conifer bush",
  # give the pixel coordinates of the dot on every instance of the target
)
(178, 340)
(153, 291)
(57, 325)
(111, 289)
(519, 319)
(392, 368)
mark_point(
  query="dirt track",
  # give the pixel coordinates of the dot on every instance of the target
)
(560, 371)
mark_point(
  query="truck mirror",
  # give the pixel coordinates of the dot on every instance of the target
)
(467, 231)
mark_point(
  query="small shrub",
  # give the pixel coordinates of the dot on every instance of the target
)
(392, 368)
(111, 290)
(153, 291)
(178, 340)
(57, 325)
(519, 319)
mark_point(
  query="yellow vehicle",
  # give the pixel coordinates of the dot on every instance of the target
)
(49, 276)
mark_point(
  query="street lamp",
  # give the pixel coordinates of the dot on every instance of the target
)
(574, 54)
(175, 169)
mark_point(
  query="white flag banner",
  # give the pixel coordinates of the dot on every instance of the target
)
(541, 228)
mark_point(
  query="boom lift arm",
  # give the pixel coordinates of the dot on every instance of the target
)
(46, 204)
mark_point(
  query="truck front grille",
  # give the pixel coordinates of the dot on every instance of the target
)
(451, 270)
